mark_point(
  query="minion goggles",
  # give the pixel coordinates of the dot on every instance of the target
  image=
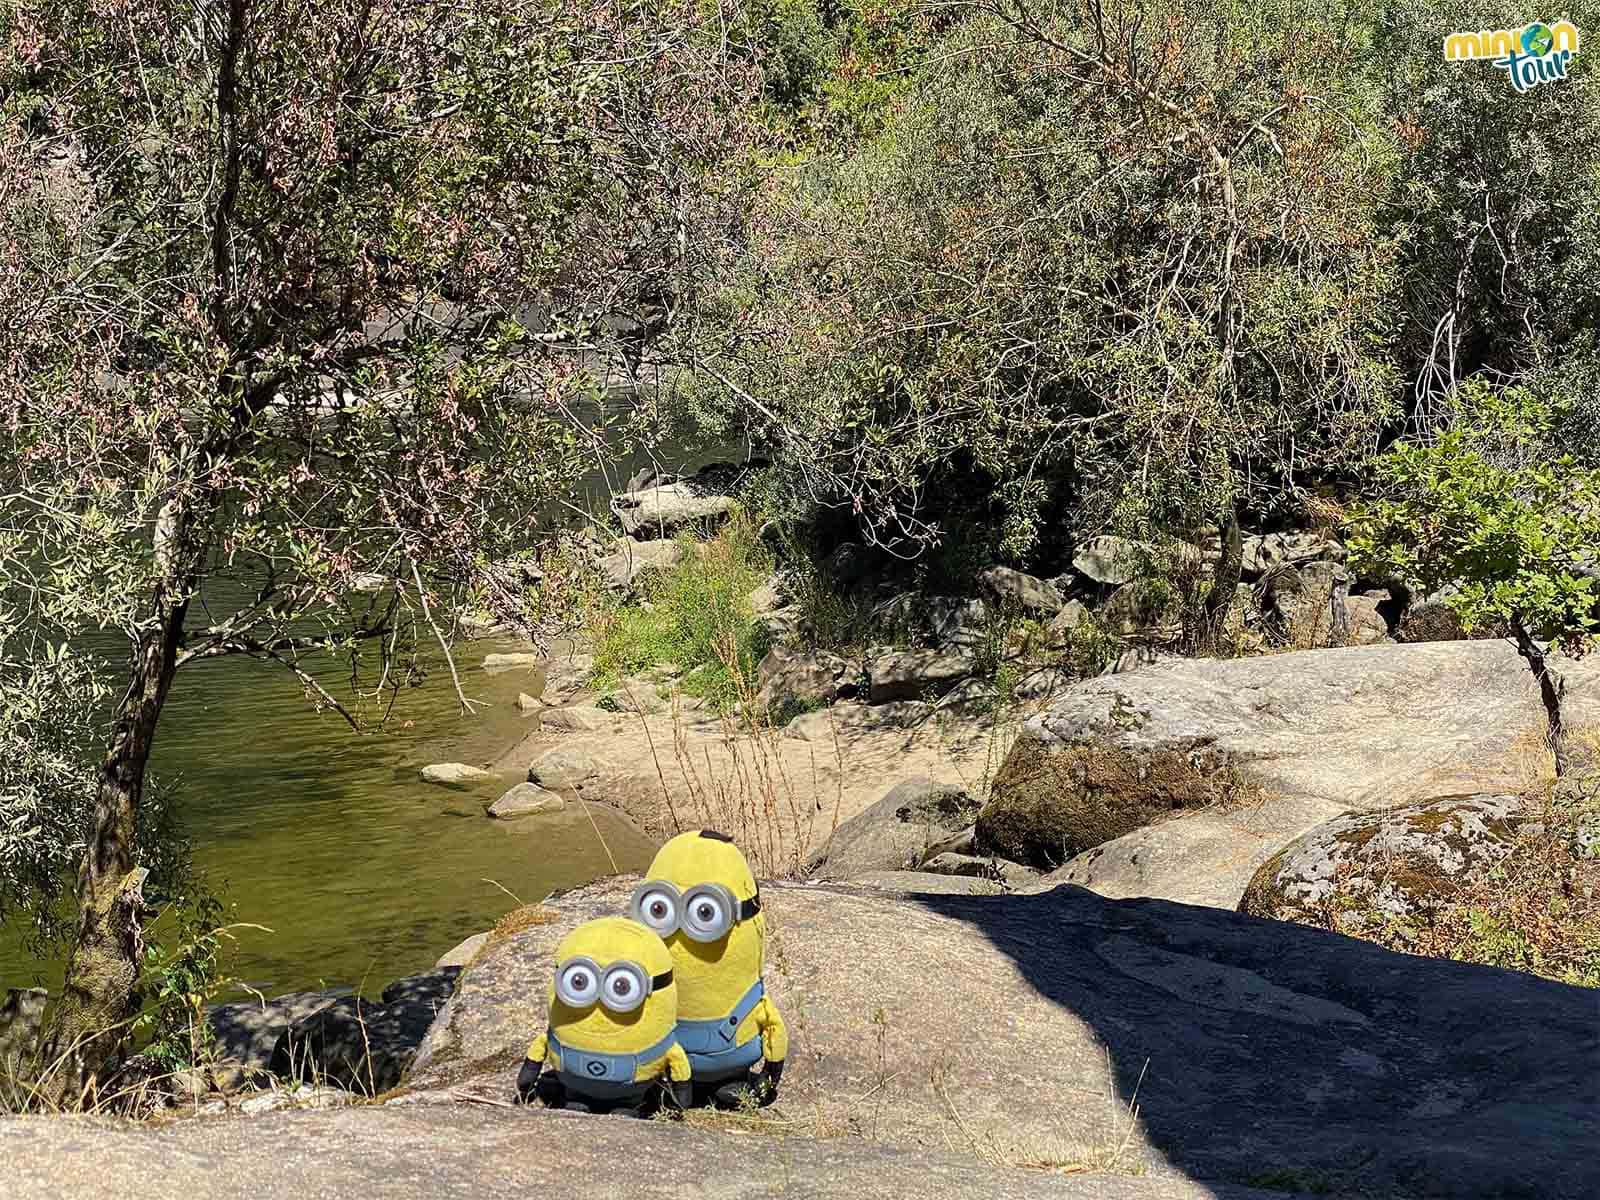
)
(705, 912)
(622, 986)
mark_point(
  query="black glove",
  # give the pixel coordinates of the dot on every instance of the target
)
(527, 1078)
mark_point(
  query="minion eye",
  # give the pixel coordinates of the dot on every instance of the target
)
(578, 984)
(658, 910)
(706, 916)
(623, 988)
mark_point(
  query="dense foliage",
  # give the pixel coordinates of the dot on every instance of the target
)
(1131, 264)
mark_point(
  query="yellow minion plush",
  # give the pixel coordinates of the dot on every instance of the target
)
(702, 900)
(612, 1033)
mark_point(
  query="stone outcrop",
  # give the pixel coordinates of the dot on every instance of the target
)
(664, 510)
(914, 820)
(632, 560)
(361, 1046)
(246, 1033)
(1398, 863)
(1206, 857)
(525, 800)
(914, 675)
(1258, 1050)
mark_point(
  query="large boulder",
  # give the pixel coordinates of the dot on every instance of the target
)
(664, 511)
(454, 774)
(913, 820)
(1363, 726)
(496, 1152)
(795, 679)
(1013, 1027)
(1047, 805)
(1206, 857)
(914, 675)
(1398, 863)
(360, 1046)
(525, 800)
(1013, 589)
(1111, 561)
(632, 560)
(245, 1034)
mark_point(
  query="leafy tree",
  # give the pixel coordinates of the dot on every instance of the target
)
(300, 291)
(1118, 265)
(1485, 510)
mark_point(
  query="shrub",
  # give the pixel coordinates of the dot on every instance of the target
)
(696, 616)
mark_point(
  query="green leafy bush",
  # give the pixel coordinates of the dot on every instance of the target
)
(697, 616)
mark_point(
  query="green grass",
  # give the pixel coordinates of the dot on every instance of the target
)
(696, 616)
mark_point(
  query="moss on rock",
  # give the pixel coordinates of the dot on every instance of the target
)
(1048, 804)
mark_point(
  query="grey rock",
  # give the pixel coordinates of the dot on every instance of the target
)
(895, 833)
(1262, 554)
(304, 1097)
(577, 718)
(527, 703)
(1072, 614)
(632, 560)
(564, 767)
(950, 622)
(1396, 863)
(566, 676)
(1111, 560)
(1365, 726)
(1431, 621)
(1307, 547)
(355, 1044)
(401, 1151)
(464, 951)
(428, 987)
(246, 1033)
(914, 675)
(939, 883)
(639, 695)
(1025, 592)
(801, 678)
(662, 511)
(524, 800)
(454, 773)
(1367, 624)
(1258, 1048)
(1203, 857)
(1008, 874)
(1137, 610)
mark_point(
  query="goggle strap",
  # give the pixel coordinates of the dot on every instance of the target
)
(657, 982)
(750, 907)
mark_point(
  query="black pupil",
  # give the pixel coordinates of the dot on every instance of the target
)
(622, 985)
(658, 909)
(580, 982)
(707, 913)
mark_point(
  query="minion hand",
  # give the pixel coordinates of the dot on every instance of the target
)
(527, 1078)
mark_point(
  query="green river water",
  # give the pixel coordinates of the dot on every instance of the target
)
(362, 871)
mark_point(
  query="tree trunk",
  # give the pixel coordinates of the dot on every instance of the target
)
(1224, 582)
(98, 997)
(1551, 687)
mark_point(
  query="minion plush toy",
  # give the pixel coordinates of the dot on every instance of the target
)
(611, 1036)
(701, 898)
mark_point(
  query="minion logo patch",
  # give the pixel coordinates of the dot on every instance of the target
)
(595, 1068)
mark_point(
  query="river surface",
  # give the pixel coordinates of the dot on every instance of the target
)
(362, 871)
